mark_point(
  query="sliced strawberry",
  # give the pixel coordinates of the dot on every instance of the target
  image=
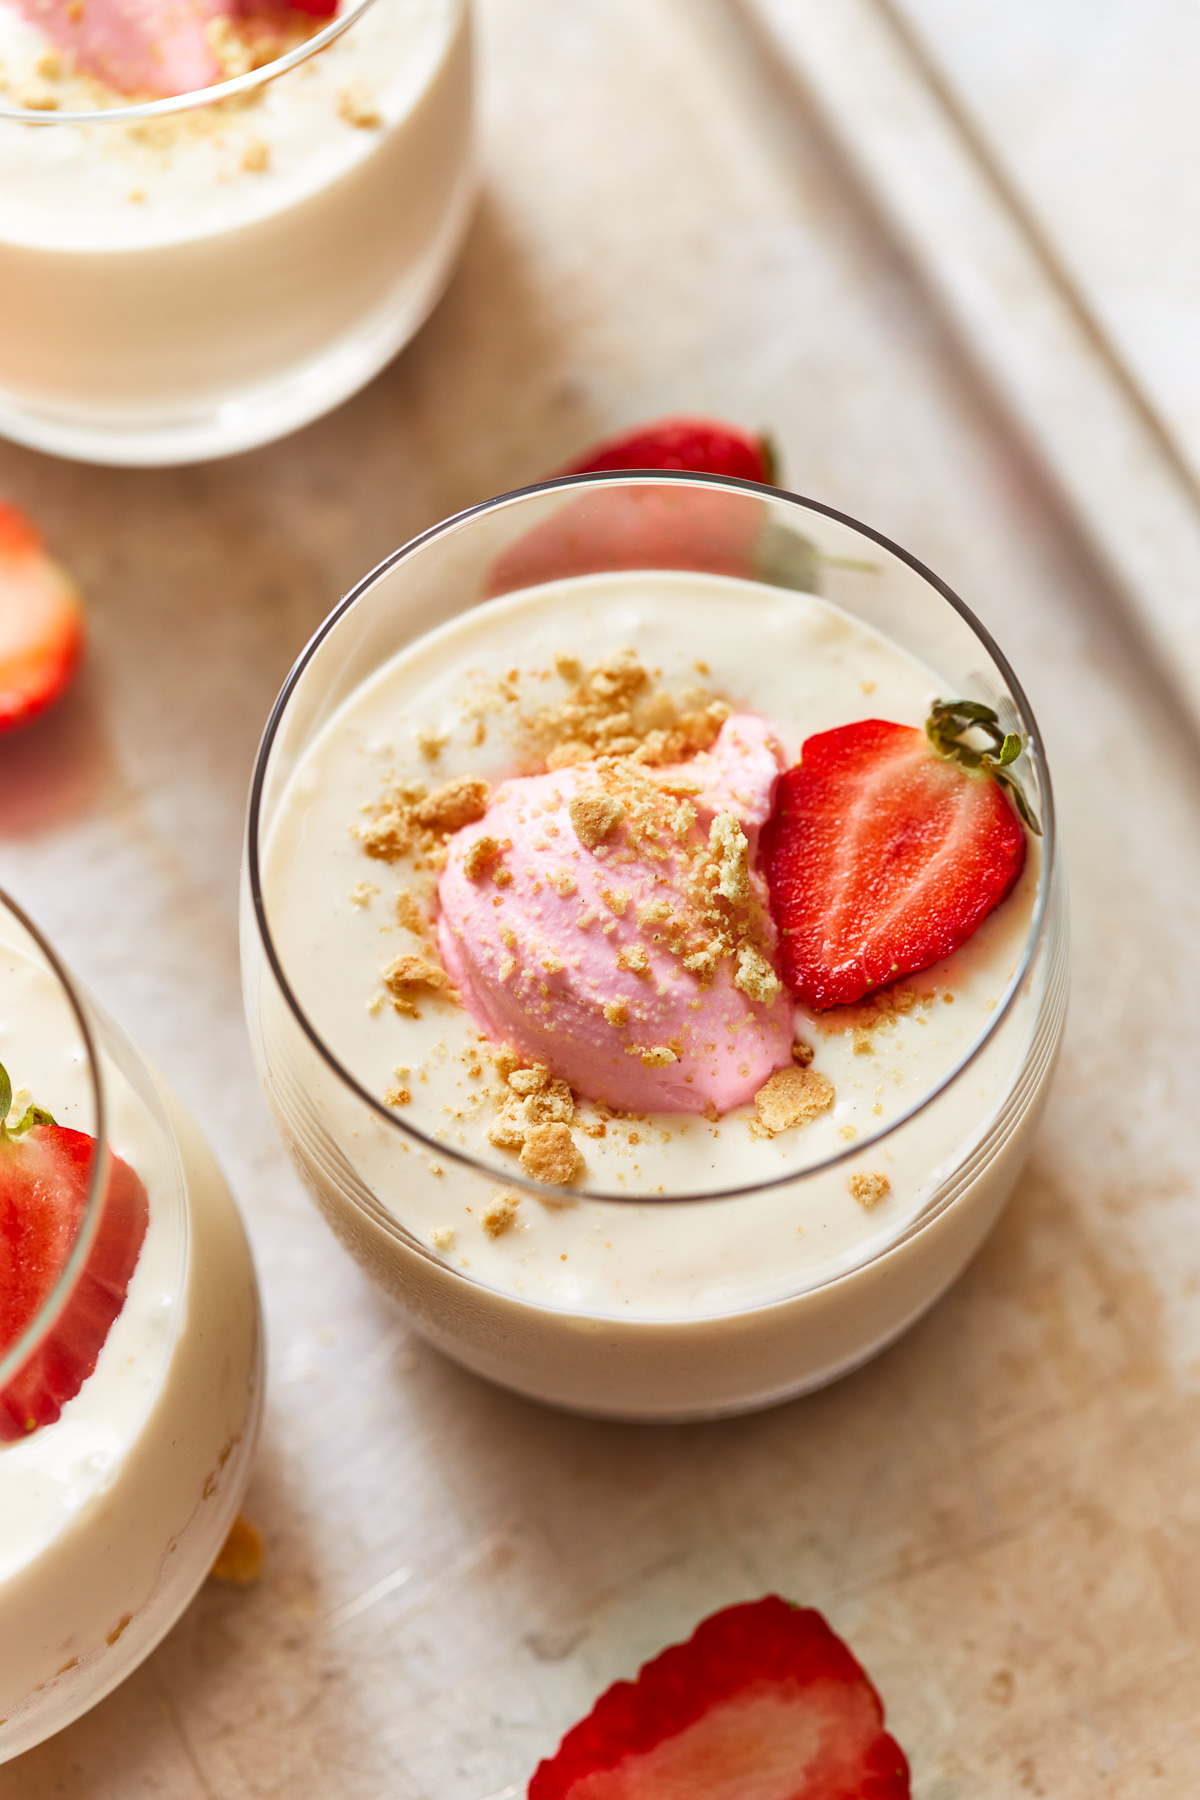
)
(762, 1703)
(45, 1173)
(41, 623)
(884, 853)
(704, 446)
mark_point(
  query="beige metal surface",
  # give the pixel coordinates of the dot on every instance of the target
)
(1001, 1513)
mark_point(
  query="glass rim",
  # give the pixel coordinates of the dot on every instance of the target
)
(198, 97)
(14, 1359)
(1038, 925)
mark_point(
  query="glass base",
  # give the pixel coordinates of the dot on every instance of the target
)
(151, 438)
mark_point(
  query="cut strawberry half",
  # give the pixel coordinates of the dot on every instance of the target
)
(762, 1703)
(45, 1176)
(888, 847)
(41, 623)
(703, 446)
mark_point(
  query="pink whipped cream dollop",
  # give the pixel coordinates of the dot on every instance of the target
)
(136, 46)
(575, 947)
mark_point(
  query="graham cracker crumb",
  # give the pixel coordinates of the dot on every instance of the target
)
(564, 883)
(727, 844)
(617, 1012)
(500, 1212)
(408, 911)
(356, 106)
(398, 1096)
(658, 1056)
(442, 1237)
(530, 1081)
(792, 1097)
(755, 976)
(869, 1190)
(549, 1154)
(256, 157)
(34, 97)
(802, 1053)
(410, 972)
(479, 855)
(432, 743)
(616, 899)
(361, 895)
(595, 816)
(391, 835)
(455, 804)
(635, 958)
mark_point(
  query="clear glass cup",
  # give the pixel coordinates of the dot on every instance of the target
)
(188, 277)
(112, 1513)
(960, 1147)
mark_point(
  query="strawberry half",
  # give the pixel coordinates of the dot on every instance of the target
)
(45, 1173)
(41, 623)
(703, 446)
(888, 847)
(762, 1703)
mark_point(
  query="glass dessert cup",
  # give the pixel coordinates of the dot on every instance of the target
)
(718, 1311)
(113, 1511)
(192, 276)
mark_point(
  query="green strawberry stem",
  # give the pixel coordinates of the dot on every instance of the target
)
(946, 728)
(33, 1115)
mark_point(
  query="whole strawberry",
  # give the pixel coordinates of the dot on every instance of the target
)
(703, 446)
(888, 847)
(762, 1703)
(662, 526)
(45, 1178)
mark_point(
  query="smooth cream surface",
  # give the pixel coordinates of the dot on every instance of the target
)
(805, 666)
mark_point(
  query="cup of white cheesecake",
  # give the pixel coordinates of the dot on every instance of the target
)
(516, 973)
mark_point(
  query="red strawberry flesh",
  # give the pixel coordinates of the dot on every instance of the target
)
(762, 1703)
(41, 623)
(45, 1176)
(882, 858)
(703, 446)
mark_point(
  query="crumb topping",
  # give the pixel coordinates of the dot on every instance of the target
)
(407, 976)
(869, 1190)
(595, 816)
(550, 1154)
(792, 1097)
(613, 711)
(500, 1212)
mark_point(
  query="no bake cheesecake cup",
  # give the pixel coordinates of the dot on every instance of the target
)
(192, 276)
(954, 1154)
(112, 1515)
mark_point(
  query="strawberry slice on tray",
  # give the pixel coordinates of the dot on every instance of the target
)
(45, 1177)
(41, 623)
(888, 847)
(763, 1702)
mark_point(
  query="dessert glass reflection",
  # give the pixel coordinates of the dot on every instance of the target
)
(596, 1153)
(130, 1350)
(198, 273)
